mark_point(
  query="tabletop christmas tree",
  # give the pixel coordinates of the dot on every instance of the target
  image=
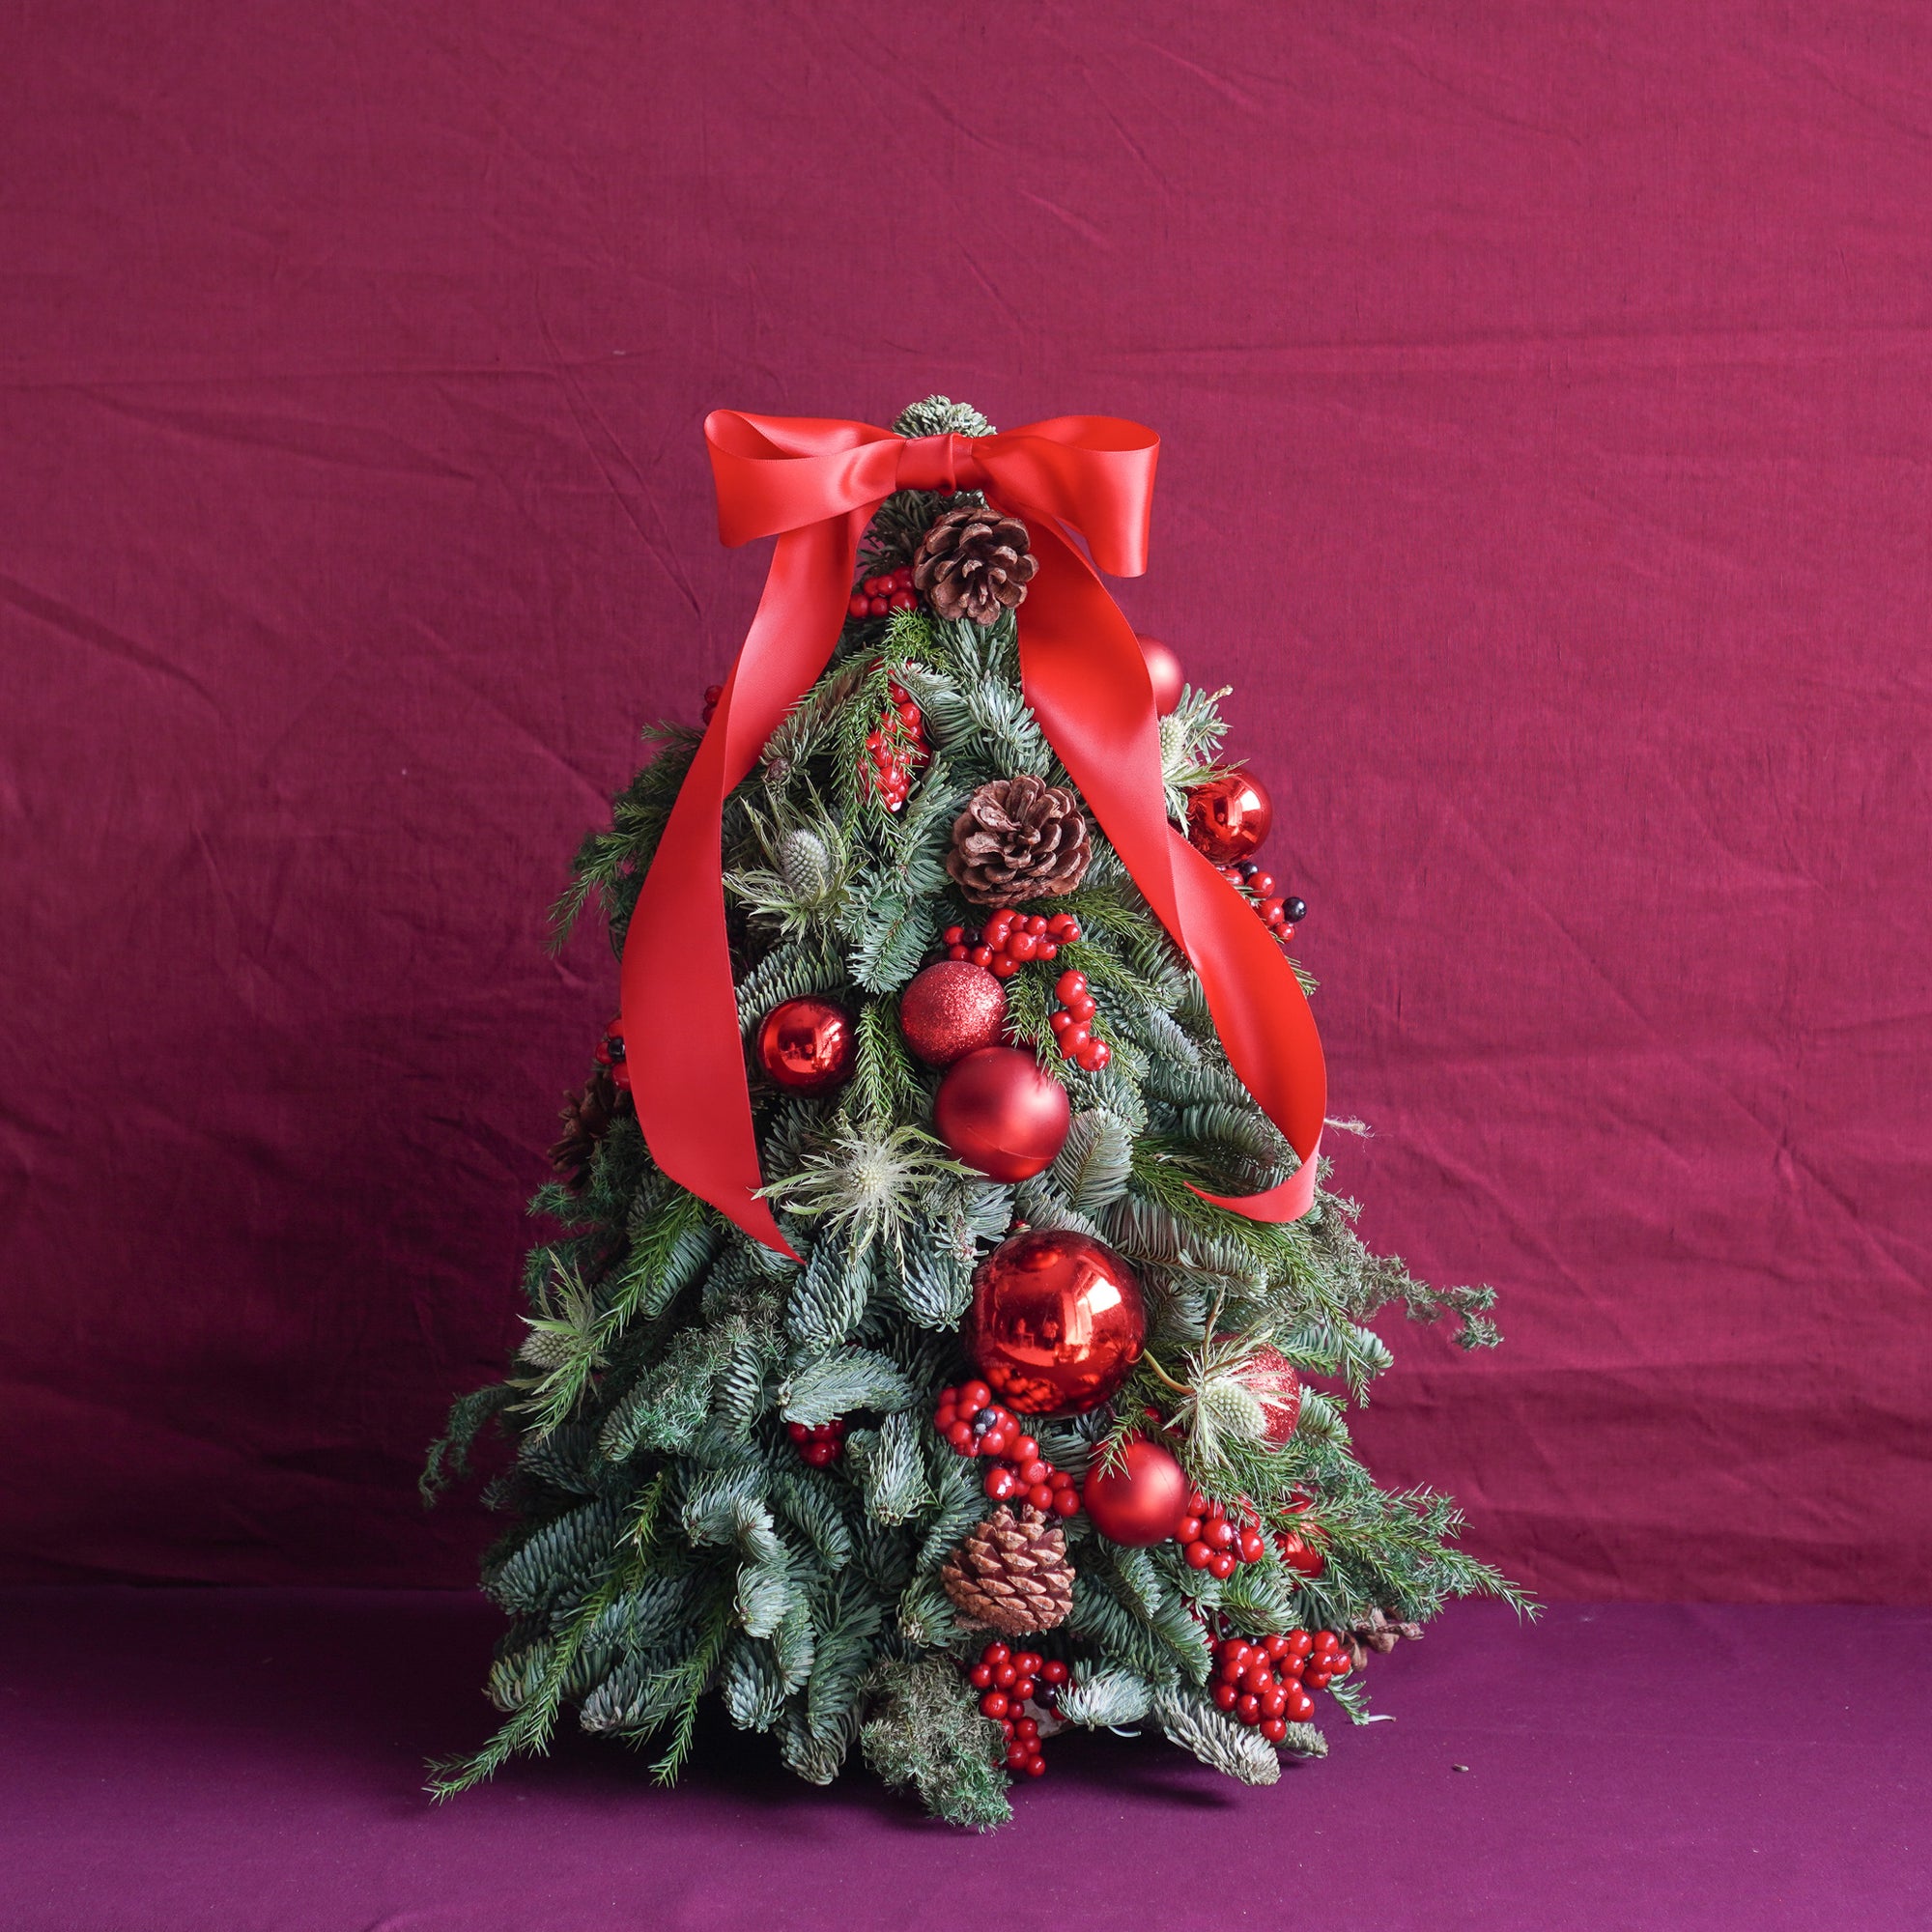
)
(946, 1338)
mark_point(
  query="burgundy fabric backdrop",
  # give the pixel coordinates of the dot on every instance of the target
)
(1547, 464)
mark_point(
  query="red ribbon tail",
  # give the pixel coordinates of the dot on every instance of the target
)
(677, 991)
(1087, 684)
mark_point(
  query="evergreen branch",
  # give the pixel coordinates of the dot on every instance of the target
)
(884, 1086)
(530, 1727)
(448, 1457)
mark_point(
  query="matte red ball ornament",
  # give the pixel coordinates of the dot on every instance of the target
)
(1057, 1321)
(808, 1045)
(999, 1111)
(1229, 817)
(951, 1009)
(1164, 668)
(1141, 1503)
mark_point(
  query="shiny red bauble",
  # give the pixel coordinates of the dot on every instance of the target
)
(999, 1111)
(1268, 1375)
(951, 1009)
(1057, 1321)
(1300, 1553)
(1165, 671)
(1141, 1503)
(1228, 817)
(808, 1045)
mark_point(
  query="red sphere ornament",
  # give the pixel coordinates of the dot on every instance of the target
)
(1057, 1321)
(808, 1045)
(1229, 817)
(1300, 1553)
(1141, 1503)
(998, 1111)
(1164, 670)
(951, 1009)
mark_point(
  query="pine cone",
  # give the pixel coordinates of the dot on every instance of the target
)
(974, 563)
(1375, 1632)
(1018, 839)
(586, 1119)
(1012, 1574)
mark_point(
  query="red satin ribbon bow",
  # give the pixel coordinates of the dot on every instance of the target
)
(814, 484)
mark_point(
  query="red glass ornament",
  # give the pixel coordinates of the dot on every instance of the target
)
(1229, 817)
(998, 1111)
(1299, 1553)
(1164, 670)
(951, 1009)
(1141, 1503)
(808, 1045)
(1057, 1321)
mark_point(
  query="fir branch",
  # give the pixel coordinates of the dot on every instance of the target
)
(1191, 1721)
(889, 1468)
(835, 1385)
(791, 970)
(1094, 1161)
(448, 1457)
(669, 1245)
(884, 1086)
(1106, 1699)
(609, 864)
(688, 1683)
(531, 1724)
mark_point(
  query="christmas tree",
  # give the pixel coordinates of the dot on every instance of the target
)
(925, 1356)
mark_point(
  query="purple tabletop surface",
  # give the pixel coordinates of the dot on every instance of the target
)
(254, 1759)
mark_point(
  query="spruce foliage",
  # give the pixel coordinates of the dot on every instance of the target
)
(666, 1539)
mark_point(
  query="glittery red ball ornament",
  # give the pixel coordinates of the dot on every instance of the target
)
(1164, 668)
(1141, 1503)
(1229, 817)
(1057, 1321)
(1268, 1375)
(806, 1045)
(951, 1009)
(999, 1111)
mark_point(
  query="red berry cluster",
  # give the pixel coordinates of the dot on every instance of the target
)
(1073, 1023)
(1007, 1681)
(818, 1446)
(876, 595)
(1267, 1682)
(1280, 915)
(1212, 1541)
(969, 1418)
(896, 749)
(611, 1053)
(712, 693)
(1009, 939)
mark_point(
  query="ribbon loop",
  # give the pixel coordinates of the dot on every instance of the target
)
(814, 483)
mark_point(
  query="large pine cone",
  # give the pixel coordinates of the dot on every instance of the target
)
(1012, 1574)
(586, 1119)
(974, 563)
(1018, 839)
